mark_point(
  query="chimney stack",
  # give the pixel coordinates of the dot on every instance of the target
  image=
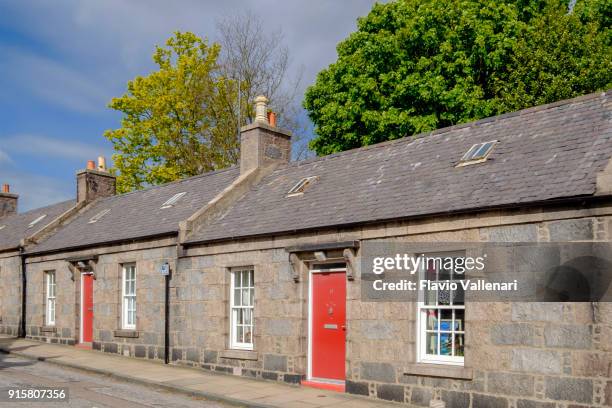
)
(93, 183)
(8, 201)
(261, 142)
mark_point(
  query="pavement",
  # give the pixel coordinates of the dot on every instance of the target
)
(83, 389)
(191, 382)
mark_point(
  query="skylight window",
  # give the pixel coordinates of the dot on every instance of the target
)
(173, 200)
(301, 186)
(37, 220)
(478, 153)
(2, 227)
(99, 215)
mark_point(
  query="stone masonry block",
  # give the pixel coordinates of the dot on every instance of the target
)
(421, 396)
(537, 361)
(273, 362)
(510, 384)
(377, 329)
(487, 401)
(390, 392)
(571, 230)
(456, 399)
(512, 334)
(381, 372)
(568, 336)
(569, 389)
(513, 233)
(532, 312)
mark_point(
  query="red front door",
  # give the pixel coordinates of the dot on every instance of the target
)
(328, 325)
(87, 309)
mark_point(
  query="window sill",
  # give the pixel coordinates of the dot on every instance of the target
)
(439, 370)
(239, 354)
(48, 329)
(132, 334)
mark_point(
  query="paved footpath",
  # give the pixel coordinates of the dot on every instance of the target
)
(194, 382)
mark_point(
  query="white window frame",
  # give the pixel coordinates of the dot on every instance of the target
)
(235, 308)
(422, 308)
(50, 294)
(128, 297)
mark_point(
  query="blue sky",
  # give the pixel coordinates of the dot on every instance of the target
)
(62, 61)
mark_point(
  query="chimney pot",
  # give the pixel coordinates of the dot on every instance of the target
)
(6, 188)
(272, 118)
(101, 163)
(262, 143)
(91, 165)
(261, 109)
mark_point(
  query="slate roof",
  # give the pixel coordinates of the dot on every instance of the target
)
(16, 227)
(139, 214)
(549, 152)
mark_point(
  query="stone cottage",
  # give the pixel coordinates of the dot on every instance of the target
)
(255, 270)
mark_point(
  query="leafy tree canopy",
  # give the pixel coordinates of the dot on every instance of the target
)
(417, 65)
(178, 121)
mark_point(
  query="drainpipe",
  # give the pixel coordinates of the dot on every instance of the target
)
(167, 318)
(24, 281)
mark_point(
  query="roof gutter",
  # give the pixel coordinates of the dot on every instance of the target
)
(104, 243)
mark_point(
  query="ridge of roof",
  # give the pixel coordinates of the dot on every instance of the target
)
(150, 188)
(440, 131)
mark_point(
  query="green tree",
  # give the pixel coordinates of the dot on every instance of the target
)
(417, 65)
(178, 121)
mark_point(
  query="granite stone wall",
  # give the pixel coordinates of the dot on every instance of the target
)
(518, 355)
(10, 293)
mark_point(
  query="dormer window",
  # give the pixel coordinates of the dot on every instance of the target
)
(37, 220)
(478, 153)
(301, 186)
(172, 200)
(99, 215)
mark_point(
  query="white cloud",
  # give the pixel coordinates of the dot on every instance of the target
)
(54, 148)
(53, 82)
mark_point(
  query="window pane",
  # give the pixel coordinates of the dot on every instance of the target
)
(446, 318)
(245, 297)
(459, 320)
(446, 344)
(237, 297)
(459, 345)
(252, 297)
(248, 336)
(432, 319)
(239, 334)
(245, 279)
(251, 279)
(431, 343)
(248, 316)
(444, 297)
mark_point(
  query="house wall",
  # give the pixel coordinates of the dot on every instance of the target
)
(517, 354)
(10, 293)
(108, 336)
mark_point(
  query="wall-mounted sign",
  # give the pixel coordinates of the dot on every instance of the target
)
(165, 269)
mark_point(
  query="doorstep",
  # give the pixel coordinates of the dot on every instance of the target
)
(324, 385)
